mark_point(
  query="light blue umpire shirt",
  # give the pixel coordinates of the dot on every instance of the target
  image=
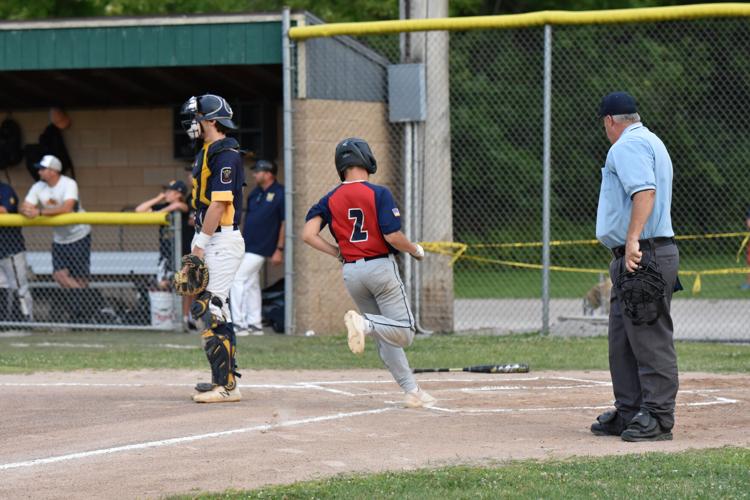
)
(637, 161)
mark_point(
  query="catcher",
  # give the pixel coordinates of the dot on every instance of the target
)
(217, 247)
(634, 221)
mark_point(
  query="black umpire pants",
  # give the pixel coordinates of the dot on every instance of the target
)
(642, 359)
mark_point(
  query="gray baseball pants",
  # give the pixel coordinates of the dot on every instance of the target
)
(377, 289)
(642, 359)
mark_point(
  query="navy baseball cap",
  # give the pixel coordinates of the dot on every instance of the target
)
(265, 166)
(617, 103)
(179, 186)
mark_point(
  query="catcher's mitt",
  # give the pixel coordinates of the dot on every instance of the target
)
(192, 278)
(642, 293)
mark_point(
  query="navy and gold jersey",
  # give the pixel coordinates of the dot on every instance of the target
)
(218, 176)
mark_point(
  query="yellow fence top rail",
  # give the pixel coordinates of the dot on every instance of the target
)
(96, 218)
(554, 17)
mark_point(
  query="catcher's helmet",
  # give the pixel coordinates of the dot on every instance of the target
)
(206, 107)
(354, 152)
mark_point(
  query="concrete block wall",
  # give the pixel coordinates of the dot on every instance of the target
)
(121, 156)
(321, 299)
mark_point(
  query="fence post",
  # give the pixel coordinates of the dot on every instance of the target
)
(286, 57)
(546, 190)
(177, 242)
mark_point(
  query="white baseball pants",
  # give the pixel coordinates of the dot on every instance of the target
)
(245, 297)
(223, 256)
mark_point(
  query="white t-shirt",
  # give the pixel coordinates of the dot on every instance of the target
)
(46, 196)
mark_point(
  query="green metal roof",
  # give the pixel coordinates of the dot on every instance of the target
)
(107, 44)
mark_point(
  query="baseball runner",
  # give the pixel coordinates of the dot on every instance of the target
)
(218, 178)
(365, 222)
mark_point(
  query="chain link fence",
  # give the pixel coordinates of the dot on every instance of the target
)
(470, 176)
(118, 277)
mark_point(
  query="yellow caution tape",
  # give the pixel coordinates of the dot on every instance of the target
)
(458, 251)
(697, 284)
(742, 246)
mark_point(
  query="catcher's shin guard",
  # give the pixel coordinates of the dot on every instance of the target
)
(220, 347)
(200, 309)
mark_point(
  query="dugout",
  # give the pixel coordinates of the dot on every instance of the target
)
(122, 80)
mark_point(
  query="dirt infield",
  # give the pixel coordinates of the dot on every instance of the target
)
(137, 434)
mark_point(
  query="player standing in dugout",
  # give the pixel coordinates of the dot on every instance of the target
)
(366, 224)
(218, 179)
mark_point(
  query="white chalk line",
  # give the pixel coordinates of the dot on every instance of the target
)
(187, 439)
(58, 344)
(717, 401)
(490, 388)
(94, 346)
(295, 385)
(584, 380)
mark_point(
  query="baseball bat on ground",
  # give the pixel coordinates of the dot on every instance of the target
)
(507, 368)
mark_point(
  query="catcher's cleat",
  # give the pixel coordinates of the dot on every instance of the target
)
(355, 325)
(609, 423)
(644, 427)
(219, 394)
(418, 399)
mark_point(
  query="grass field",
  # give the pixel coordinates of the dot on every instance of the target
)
(132, 351)
(496, 281)
(714, 473)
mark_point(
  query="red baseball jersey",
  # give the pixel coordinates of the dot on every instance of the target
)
(358, 215)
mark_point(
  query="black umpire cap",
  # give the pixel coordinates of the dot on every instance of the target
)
(617, 103)
(265, 166)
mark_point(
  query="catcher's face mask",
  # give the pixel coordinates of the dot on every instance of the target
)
(191, 126)
(641, 293)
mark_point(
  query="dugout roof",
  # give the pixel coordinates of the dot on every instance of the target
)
(99, 62)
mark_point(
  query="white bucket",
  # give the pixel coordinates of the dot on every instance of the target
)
(162, 310)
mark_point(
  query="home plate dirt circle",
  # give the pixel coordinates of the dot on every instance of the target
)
(137, 433)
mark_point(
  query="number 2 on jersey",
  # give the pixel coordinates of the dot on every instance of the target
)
(358, 216)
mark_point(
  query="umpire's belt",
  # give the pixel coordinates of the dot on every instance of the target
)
(645, 245)
(373, 257)
(234, 227)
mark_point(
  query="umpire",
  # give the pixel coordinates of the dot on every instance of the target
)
(633, 221)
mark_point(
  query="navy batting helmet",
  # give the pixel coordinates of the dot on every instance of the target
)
(353, 152)
(206, 107)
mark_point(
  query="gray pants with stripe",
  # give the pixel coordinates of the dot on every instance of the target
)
(377, 289)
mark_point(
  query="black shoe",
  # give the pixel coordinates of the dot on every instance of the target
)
(644, 427)
(609, 423)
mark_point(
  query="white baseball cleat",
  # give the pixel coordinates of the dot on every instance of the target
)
(219, 394)
(418, 399)
(355, 324)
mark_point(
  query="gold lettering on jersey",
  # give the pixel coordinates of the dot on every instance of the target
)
(205, 173)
